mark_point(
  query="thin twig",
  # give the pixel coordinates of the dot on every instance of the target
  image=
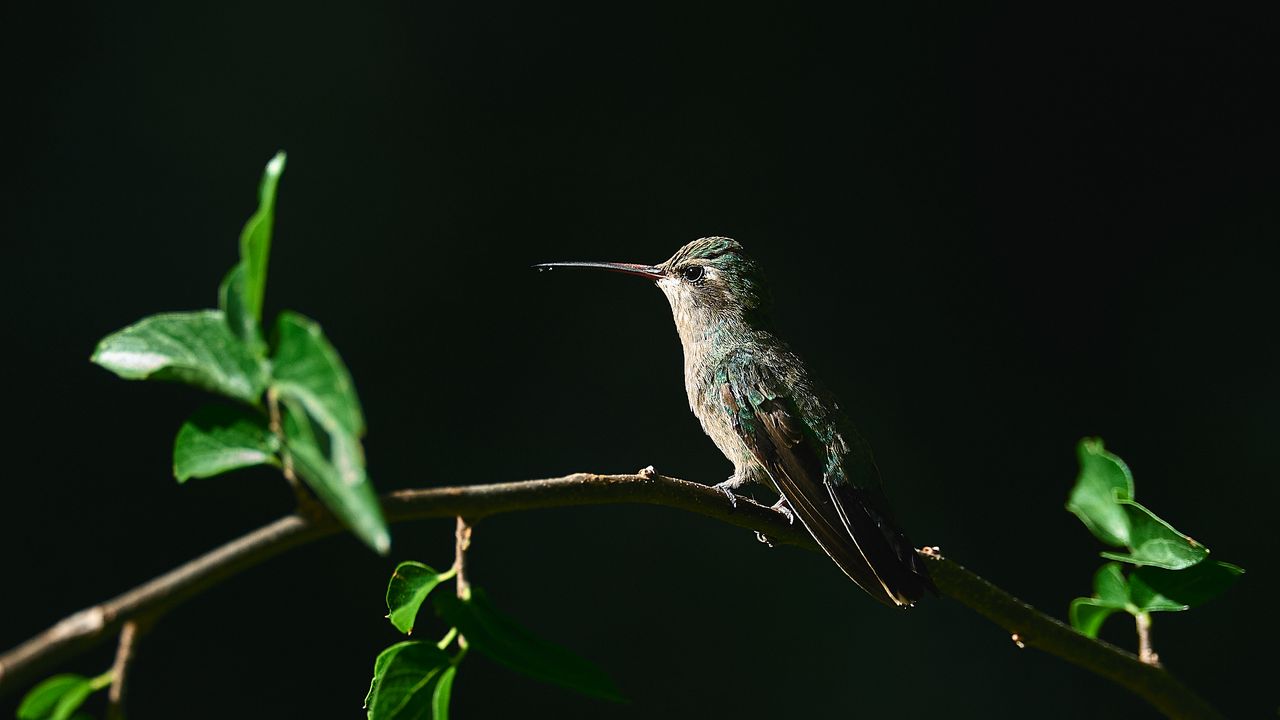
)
(75, 634)
(1146, 653)
(462, 541)
(120, 669)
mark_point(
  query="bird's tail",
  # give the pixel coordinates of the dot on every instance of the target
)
(883, 546)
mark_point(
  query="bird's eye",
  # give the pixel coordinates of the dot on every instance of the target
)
(693, 273)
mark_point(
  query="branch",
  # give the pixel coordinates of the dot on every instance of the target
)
(75, 634)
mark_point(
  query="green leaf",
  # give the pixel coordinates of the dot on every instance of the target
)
(1103, 480)
(255, 240)
(1157, 589)
(332, 465)
(219, 438)
(1103, 499)
(313, 383)
(1110, 593)
(1109, 586)
(1087, 615)
(444, 692)
(196, 348)
(505, 641)
(240, 296)
(409, 586)
(406, 678)
(308, 369)
(56, 698)
(1153, 541)
(42, 699)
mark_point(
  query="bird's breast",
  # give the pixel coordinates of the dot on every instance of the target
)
(704, 372)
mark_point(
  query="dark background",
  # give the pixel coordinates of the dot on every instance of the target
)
(991, 232)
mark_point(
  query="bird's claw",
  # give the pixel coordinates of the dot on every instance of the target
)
(780, 507)
(728, 492)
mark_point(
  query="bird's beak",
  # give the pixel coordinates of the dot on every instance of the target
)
(644, 271)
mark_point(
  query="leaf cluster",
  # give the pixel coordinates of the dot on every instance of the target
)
(297, 406)
(1168, 570)
(414, 678)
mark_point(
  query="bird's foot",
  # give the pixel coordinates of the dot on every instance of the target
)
(726, 488)
(784, 507)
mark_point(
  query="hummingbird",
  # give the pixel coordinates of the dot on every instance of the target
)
(777, 425)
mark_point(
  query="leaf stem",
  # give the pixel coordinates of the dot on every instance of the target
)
(119, 672)
(1146, 653)
(448, 638)
(98, 682)
(81, 631)
(462, 652)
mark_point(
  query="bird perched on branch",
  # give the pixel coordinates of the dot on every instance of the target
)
(776, 425)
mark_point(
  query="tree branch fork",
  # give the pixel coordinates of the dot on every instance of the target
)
(144, 604)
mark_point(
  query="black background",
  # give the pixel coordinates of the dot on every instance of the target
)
(990, 231)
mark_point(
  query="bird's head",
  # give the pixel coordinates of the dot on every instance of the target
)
(707, 282)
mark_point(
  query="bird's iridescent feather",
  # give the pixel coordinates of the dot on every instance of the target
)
(826, 475)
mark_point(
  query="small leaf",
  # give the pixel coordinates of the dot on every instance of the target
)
(56, 698)
(409, 586)
(1157, 589)
(1153, 541)
(1087, 615)
(1110, 593)
(337, 475)
(405, 680)
(255, 240)
(219, 438)
(196, 348)
(308, 369)
(505, 641)
(444, 691)
(1103, 479)
(1109, 586)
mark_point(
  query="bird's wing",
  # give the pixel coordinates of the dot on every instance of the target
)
(850, 523)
